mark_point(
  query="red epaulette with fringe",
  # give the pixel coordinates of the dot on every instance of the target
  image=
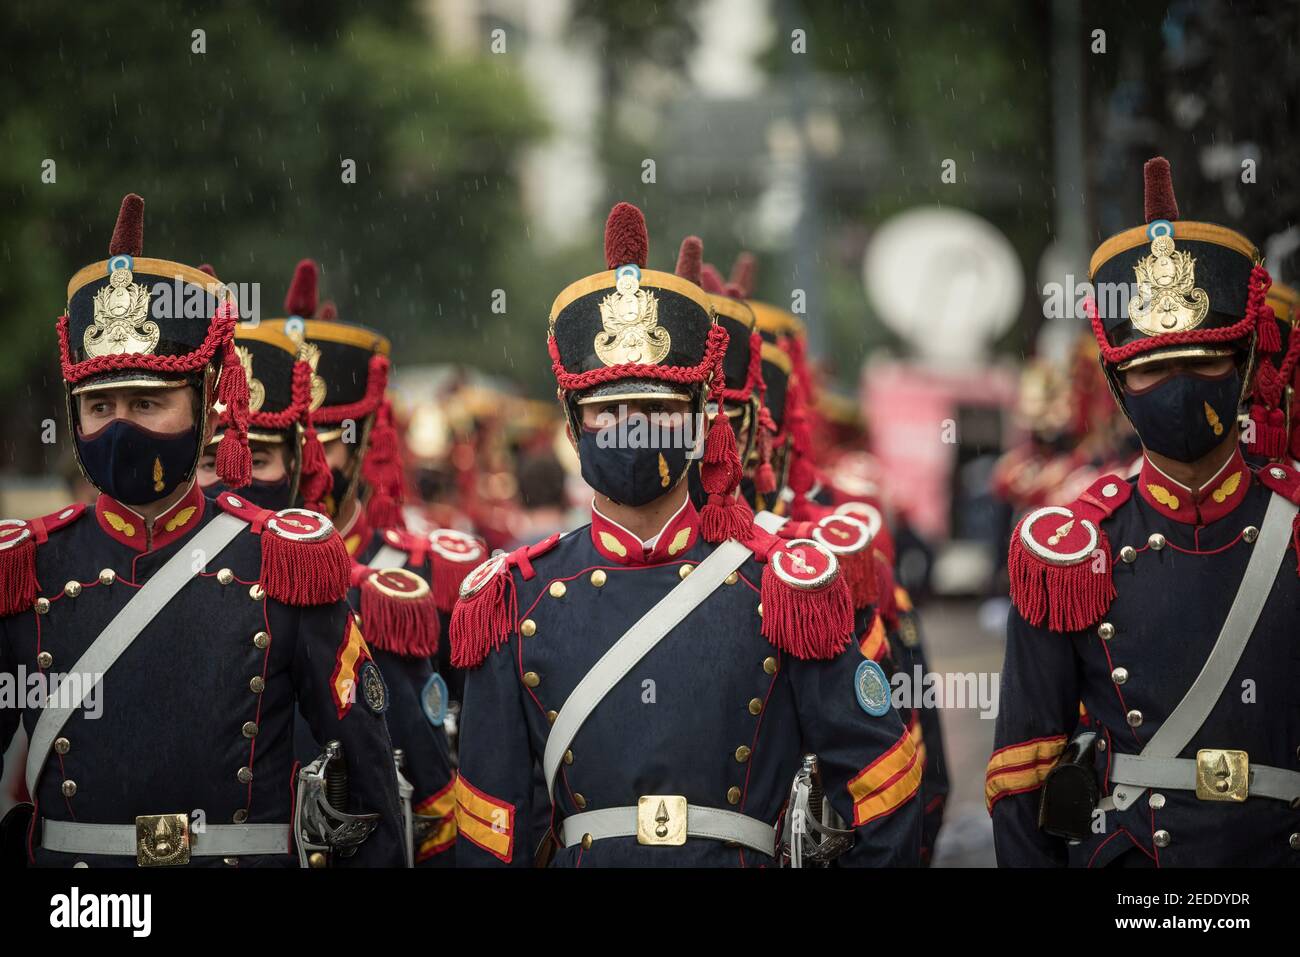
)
(806, 606)
(486, 610)
(1059, 562)
(304, 562)
(452, 554)
(397, 611)
(18, 540)
(851, 541)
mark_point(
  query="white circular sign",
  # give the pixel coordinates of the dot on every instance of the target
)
(946, 280)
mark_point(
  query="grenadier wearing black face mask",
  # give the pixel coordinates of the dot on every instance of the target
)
(641, 691)
(403, 584)
(207, 625)
(1161, 607)
(780, 476)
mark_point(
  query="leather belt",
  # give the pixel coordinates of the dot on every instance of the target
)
(1181, 774)
(708, 822)
(215, 840)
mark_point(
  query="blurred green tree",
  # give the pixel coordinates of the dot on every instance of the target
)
(239, 153)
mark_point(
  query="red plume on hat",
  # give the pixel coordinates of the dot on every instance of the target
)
(742, 273)
(1158, 190)
(711, 280)
(626, 238)
(690, 259)
(128, 233)
(301, 298)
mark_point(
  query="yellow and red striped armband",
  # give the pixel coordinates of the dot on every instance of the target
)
(914, 732)
(352, 654)
(886, 783)
(442, 806)
(1022, 767)
(874, 644)
(484, 820)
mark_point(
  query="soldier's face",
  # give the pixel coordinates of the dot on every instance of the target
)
(269, 464)
(600, 415)
(1144, 377)
(167, 411)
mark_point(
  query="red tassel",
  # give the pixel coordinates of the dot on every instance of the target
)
(304, 573)
(1269, 427)
(18, 577)
(382, 469)
(481, 623)
(806, 624)
(234, 460)
(726, 514)
(1069, 597)
(1270, 338)
(316, 481)
(404, 626)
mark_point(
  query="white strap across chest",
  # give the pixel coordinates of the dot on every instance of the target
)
(123, 629)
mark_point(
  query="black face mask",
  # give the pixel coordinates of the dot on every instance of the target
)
(272, 495)
(628, 475)
(136, 466)
(1186, 416)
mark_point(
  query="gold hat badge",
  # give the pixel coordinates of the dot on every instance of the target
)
(1167, 299)
(121, 323)
(630, 316)
(256, 390)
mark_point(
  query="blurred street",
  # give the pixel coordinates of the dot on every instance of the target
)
(956, 642)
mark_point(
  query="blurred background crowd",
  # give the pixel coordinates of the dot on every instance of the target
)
(922, 183)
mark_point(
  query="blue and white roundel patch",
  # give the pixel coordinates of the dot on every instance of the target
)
(433, 699)
(871, 688)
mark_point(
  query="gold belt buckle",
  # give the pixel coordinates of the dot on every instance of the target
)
(661, 819)
(1222, 775)
(162, 840)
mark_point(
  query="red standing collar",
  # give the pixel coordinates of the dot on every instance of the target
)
(124, 524)
(619, 545)
(1219, 496)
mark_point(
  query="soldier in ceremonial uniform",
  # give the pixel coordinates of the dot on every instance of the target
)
(662, 672)
(393, 605)
(175, 637)
(1161, 607)
(402, 583)
(851, 524)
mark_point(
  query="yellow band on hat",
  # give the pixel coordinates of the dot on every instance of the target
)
(149, 267)
(651, 278)
(1198, 232)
